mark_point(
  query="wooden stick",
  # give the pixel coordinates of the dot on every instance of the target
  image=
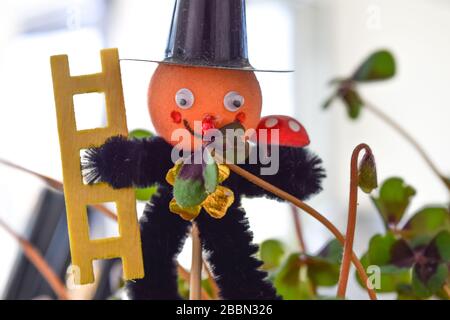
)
(195, 283)
(186, 276)
(310, 210)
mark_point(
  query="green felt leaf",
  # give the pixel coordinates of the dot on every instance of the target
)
(427, 287)
(210, 174)
(189, 187)
(367, 175)
(291, 281)
(394, 197)
(145, 194)
(352, 100)
(189, 193)
(271, 253)
(140, 134)
(379, 65)
(197, 178)
(426, 224)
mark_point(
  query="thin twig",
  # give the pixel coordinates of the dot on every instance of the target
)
(298, 229)
(408, 137)
(195, 283)
(310, 210)
(107, 212)
(351, 221)
(39, 262)
(57, 185)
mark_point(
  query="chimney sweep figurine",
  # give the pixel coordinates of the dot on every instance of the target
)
(205, 77)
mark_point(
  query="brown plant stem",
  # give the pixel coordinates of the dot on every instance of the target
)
(298, 229)
(261, 183)
(351, 221)
(103, 209)
(311, 211)
(195, 283)
(408, 137)
(58, 186)
(50, 181)
(39, 262)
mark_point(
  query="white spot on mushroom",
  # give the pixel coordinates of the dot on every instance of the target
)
(294, 126)
(271, 122)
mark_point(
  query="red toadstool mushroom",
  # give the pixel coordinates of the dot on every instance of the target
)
(291, 132)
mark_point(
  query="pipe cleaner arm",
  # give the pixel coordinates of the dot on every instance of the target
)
(124, 163)
(300, 173)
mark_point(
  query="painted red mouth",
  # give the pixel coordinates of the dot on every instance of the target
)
(208, 123)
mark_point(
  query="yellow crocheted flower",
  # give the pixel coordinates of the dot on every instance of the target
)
(216, 204)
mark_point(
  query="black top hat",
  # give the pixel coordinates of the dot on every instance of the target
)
(209, 33)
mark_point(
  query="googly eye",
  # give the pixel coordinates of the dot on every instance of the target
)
(233, 101)
(184, 98)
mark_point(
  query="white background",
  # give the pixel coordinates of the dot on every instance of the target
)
(320, 39)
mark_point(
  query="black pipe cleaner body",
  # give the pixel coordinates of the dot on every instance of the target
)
(228, 241)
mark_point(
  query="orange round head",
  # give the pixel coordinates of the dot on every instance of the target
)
(197, 99)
